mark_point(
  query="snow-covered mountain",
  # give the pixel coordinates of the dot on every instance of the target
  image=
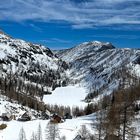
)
(99, 66)
(28, 69)
(34, 70)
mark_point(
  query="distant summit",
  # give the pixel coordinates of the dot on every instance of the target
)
(83, 49)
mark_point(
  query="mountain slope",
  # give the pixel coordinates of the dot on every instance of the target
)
(28, 71)
(100, 66)
(33, 70)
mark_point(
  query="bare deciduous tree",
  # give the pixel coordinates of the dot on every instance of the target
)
(84, 133)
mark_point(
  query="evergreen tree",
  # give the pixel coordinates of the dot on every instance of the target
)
(52, 132)
(39, 133)
(22, 135)
(33, 137)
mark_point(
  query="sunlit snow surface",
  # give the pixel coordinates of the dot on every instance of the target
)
(69, 128)
(67, 96)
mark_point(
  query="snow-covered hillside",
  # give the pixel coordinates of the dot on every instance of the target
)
(30, 66)
(22, 55)
(14, 108)
(98, 66)
(87, 48)
(69, 129)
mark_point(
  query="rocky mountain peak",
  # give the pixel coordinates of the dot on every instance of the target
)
(83, 50)
(96, 45)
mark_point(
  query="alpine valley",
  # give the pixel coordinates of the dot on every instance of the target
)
(76, 88)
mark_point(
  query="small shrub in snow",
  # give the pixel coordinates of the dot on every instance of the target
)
(3, 126)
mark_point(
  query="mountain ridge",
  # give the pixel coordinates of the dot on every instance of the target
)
(95, 65)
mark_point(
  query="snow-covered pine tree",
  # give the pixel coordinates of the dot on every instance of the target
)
(39, 133)
(52, 132)
(33, 137)
(22, 135)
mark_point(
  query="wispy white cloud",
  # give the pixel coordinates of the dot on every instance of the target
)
(36, 28)
(55, 40)
(81, 14)
(83, 25)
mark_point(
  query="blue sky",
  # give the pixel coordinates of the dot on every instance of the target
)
(65, 23)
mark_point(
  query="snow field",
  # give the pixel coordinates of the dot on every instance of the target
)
(67, 96)
(69, 129)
